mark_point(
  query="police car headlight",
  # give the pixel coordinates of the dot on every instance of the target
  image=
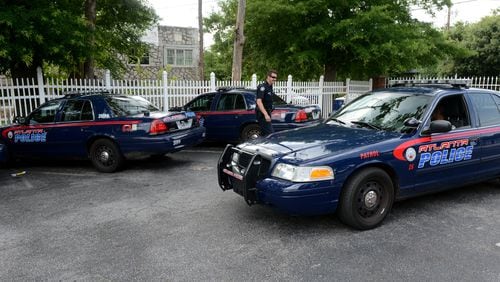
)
(302, 173)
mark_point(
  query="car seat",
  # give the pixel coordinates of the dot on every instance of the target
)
(455, 113)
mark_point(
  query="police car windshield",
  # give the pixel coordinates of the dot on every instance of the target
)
(384, 110)
(130, 105)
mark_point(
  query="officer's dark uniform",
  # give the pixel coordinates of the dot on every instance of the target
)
(265, 92)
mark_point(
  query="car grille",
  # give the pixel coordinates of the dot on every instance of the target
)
(240, 162)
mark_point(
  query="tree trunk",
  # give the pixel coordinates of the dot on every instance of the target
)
(330, 72)
(239, 40)
(90, 16)
(201, 62)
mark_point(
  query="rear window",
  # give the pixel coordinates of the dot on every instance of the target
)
(130, 105)
(277, 100)
(487, 106)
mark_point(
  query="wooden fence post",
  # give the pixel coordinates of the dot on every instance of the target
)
(41, 89)
(107, 80)
(212, 81)
(165, 91)
(321, 83)
(347, 89)
(289, 89)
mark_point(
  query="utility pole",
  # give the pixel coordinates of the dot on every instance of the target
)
(239, 40)
(201, 60)
(90, 16)
(449, 16)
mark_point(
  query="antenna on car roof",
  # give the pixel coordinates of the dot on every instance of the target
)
(456, 83)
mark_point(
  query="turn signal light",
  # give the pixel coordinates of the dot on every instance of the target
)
(158, 127)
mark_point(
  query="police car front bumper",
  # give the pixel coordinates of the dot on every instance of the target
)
(250, 178)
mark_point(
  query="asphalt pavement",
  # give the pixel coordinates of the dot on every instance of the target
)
(167, 220)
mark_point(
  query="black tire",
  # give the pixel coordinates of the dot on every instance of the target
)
(105, 156)
(366, 199)
(9, 160)
(250, 132)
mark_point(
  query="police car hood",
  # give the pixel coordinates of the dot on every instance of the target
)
(315, 142)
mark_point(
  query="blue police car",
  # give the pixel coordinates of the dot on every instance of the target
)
(389, 144)
(105, 128)
(229, 114)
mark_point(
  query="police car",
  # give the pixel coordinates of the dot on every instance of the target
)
(383, 146)
(229, 114)
(105, 128)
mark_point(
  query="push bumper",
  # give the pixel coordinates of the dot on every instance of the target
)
(248, 176)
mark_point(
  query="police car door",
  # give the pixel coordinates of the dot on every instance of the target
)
(34, 138)
(449, 158)
(487, 107)
(229, 116)
(202, 106)
(74, 127)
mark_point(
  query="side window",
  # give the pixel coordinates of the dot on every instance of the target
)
(487, 107)
(87, 112)
(46, 113)
(453, 109)
(77, 110)
(230, 102)
(240, 103)
(203, 103)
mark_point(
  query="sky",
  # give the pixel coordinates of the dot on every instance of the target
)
(185, 13)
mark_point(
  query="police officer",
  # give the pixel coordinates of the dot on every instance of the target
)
(265, 103)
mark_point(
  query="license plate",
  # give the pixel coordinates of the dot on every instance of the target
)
(235, 175)
(177, 142)
(183, 124)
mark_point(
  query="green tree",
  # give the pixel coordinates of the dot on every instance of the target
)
(338, 38)
(219, 57)
(47, 32)
(482, 42)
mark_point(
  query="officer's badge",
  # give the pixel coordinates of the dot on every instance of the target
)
(262, 88)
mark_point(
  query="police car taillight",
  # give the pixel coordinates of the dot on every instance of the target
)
(301, 116)
(158, 127)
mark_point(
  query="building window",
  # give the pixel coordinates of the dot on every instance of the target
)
(179, 57)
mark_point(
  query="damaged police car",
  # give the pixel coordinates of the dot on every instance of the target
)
(103, 127)
(389, 144)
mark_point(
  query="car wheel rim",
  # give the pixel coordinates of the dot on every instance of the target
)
(253, 134)
(369, 199)
(105, 156)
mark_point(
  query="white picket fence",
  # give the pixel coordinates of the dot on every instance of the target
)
(18, 97)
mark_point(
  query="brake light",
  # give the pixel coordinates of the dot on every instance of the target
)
(301, 116)
(158, 127)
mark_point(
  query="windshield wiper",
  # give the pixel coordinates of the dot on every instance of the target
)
(336, 120)
(366, 124)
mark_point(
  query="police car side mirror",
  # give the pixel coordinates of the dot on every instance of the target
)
(19, 120)
(438, 126)
(412, 122)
